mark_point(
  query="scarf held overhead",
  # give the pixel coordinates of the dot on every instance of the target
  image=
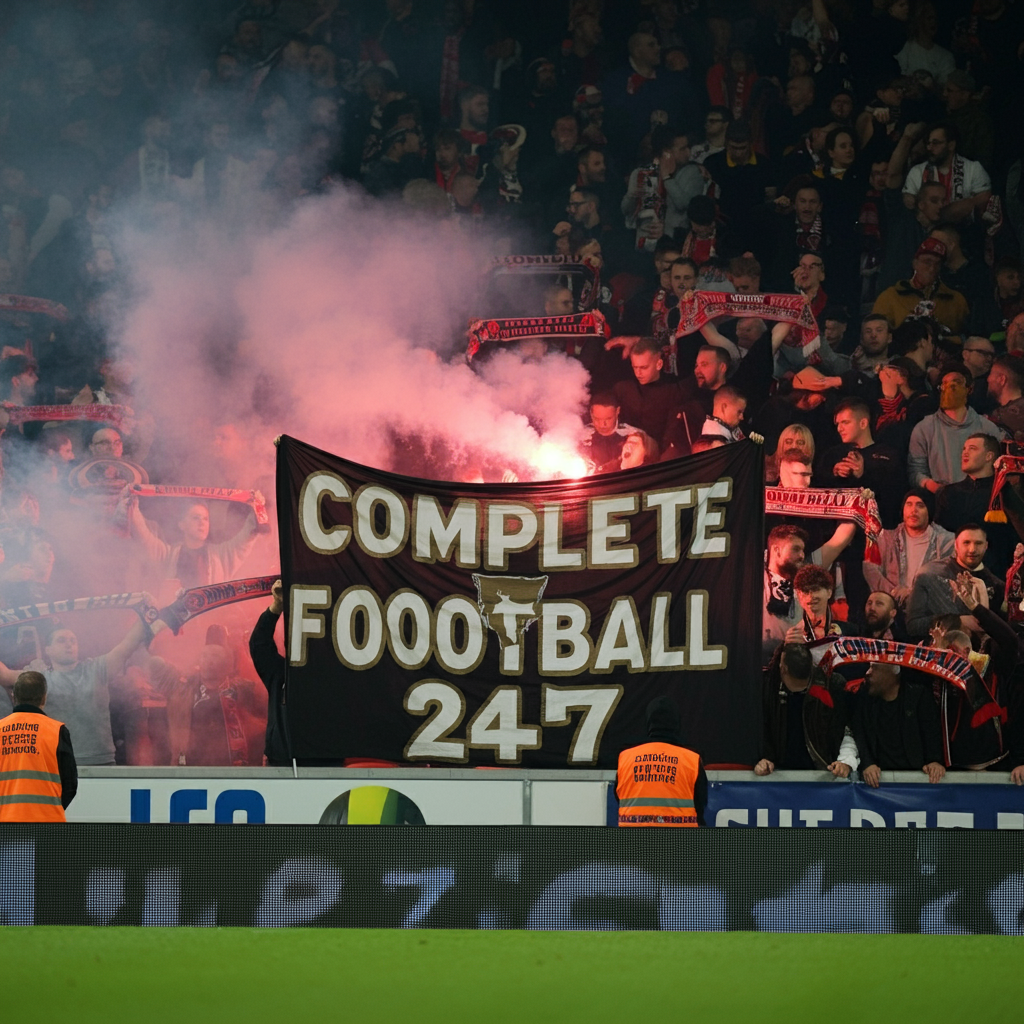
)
(579, 325)
(934, 660)
(117, 416)
(830, 503)
(791, 309)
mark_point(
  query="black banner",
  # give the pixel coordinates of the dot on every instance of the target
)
(523, 623)
(549, 878)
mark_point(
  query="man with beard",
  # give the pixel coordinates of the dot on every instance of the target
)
(787, 552)
(800, 232)
(932, 595)
(873, 350)
(905, 551)
(474, 114)
(709, 375)
(880, 614)
(966, 183)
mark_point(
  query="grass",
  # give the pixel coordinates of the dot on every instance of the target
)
(228, 975)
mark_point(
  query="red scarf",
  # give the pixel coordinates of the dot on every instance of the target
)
(830, 503)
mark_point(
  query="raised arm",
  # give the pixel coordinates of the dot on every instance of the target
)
(8, 677)
(157, 549)
(898, 160)
(837, 544)
(713, 336)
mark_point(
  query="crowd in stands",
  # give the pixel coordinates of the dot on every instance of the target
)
(860, 156)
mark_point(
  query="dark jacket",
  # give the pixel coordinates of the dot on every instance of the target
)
(270, 666)
(973, 722)
(65, 757)
(967, 501)
(919, 726)
(931, 595)
(824, 715)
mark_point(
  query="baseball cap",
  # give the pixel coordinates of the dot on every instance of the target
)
(932, 247)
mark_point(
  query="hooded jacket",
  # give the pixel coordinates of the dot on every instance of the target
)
(937, 442)
(891, 572)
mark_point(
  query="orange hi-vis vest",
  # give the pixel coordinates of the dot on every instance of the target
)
(30, 788)
(655, 786)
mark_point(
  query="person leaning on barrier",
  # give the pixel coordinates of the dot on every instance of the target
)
(661, 783)
(270, 667)
(804, 726)
(896, 726)
(38, 776)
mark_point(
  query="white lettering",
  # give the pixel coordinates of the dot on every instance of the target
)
(669, 504)
(565, 646)
(607, 534)
(705, 542)
(311, 524)
(392, 539)
(500, 543)
(620, 624)
(363, 602)
(551, 554)
(302, 625)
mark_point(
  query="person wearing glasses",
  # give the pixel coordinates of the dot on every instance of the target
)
(715, 125)
(978, 355)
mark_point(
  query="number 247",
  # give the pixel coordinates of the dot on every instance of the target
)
(499, 722)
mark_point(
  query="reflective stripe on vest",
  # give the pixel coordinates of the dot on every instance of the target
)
(655, 786)
(30, 786)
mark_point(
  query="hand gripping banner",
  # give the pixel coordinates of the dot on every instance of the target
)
(529, 624)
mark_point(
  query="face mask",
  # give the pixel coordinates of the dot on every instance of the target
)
(953, 395)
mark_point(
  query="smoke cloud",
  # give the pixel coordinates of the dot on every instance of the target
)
(344, 327)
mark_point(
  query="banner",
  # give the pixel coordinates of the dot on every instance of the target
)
(520, 623)
(855, 805)
(578, 797)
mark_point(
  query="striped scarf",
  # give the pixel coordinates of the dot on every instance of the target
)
(848, 505)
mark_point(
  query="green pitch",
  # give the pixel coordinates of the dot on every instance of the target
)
(236, 976)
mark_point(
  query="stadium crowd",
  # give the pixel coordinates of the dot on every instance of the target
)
(862, 158)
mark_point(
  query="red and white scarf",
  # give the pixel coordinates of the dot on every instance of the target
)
(849, 505)
(115, 415)
(1009, 465)
(790, 309)
(952, 180)
(808, 239)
